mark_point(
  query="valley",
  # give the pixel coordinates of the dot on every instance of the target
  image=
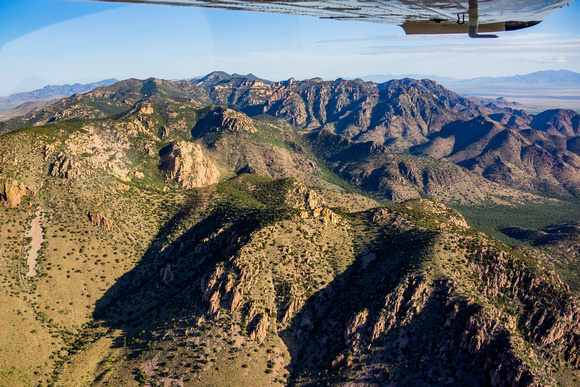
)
(231, 231)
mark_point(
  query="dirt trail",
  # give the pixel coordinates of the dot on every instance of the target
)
(37, 236)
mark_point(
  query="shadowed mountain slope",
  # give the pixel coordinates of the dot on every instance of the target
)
(504, 145)
(150, 237)
(527, 159)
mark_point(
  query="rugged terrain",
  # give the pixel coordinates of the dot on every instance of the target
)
(504, 145)
(233, 231)
(12, 105)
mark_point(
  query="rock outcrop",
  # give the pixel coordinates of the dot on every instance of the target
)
(99, 220)
(185, 164)
(223, 119)
(322, 213)
(12, 192)
(64, 166)
(261, 330)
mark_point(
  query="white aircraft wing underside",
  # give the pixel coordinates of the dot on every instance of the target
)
(415, 16)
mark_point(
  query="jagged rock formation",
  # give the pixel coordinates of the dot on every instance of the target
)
(99, 220)
(63, 166)
(185, 164)
(400, 323)
(12, 192)
(249, 275)
(325, 214)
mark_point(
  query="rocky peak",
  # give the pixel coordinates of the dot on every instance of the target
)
(220, 119)
(212, 78)
(216, 77)
(289, 82)
(151, 86)
(558, 122)
(448, 98)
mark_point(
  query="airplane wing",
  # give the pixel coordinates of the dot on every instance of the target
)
(415, 16)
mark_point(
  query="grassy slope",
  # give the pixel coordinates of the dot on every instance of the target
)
(157, 325)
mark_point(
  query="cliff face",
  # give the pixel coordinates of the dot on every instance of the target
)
(504, 145)
(185, 164)
(192, 244)
(12, 192)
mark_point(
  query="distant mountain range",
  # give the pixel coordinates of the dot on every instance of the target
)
(549, 78)
(381, 78)
(560, 78)
(534, 92)
(212, 232)
(50, 92)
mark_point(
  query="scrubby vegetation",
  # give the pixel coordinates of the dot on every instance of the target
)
(278, 270)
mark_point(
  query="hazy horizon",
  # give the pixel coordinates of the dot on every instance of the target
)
(55, 42)
(364, 77)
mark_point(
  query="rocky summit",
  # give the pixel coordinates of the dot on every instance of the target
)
(232, 231)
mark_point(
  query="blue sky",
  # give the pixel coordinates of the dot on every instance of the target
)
(57, 41)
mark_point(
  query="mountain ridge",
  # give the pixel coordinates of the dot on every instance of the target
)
(405, 115)
(541, 78)
(559, 77)
(21, 103)
(233, 234)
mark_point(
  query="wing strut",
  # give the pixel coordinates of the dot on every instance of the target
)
(473, 25)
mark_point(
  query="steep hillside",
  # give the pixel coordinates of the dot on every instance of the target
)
(396, 177)
(238, 284)
(149, 237)
(542, 159)
(110, 101)
(558, 246)
(559, 122)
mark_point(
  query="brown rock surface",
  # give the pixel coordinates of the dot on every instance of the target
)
(12, 192)
(99, 219)
(64, 166)
(185, 164)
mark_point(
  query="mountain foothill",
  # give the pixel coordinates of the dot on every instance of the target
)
(229, 230)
